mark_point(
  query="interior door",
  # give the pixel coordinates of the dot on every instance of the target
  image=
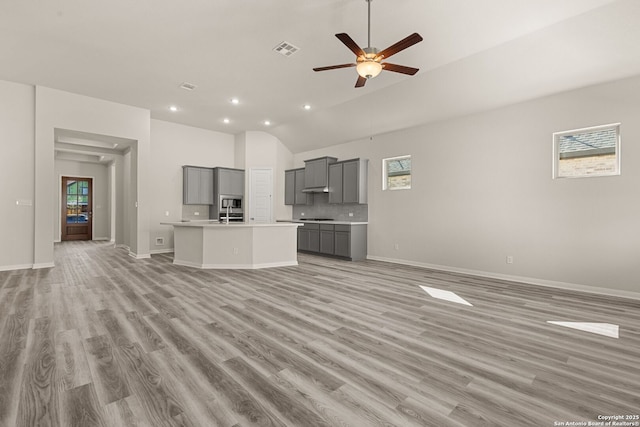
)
(261, 200)
(76, 205)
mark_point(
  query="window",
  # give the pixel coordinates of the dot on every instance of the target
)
(593, 151)
(397, 173)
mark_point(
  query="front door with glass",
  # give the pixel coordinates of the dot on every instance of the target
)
(76, 208)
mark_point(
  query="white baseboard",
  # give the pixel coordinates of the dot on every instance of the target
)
(43, 265)
(15, 267)
(102, 239)
(139, 256)
(235, 266)
(517, 279)
(161, 251)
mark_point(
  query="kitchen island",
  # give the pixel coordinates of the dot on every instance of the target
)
(210, 244)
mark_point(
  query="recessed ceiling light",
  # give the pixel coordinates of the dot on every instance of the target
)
(306, 107)
(173, 108)
(188, 86)
(235, 101)
(267, 122)
(226, 120)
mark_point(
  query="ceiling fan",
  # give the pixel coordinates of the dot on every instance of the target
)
(369, 60)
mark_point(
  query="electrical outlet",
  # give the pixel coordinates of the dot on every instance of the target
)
(159, 241)
(350, 213)
(196, 213)
(301, 213)
(509, 259)
(397, 247)
(235, 251)
(166, 213)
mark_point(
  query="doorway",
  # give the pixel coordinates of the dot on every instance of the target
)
(77, 212)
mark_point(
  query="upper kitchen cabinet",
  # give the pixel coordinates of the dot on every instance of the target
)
(197, 185)
(294, 183)
(229, 181)
(348, 181)
(317, 173)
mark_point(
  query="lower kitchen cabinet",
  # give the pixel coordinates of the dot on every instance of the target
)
(309, 238)
(342, 241)
(327, 237)
(338, 240)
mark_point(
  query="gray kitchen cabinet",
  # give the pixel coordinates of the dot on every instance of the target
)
(348, 181)
(303, 239)
(335, 182)
(327, 239)
(290, 187)
(229, 181)
(314, 240)
(300, 197)
(293, 186)
(197, 185)
(340, 240)
(309, 238)
(317, 172)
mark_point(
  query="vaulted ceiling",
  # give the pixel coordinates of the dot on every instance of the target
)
(476, 55)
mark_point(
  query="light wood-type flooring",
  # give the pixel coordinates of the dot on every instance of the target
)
(103, 339)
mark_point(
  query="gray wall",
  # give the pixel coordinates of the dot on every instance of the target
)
(482, 190)
(16, 175)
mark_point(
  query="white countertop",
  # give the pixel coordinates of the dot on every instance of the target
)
(303, 221)
(214, 223)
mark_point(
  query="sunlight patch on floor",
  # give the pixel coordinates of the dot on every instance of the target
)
(445, 295)
(606, 329)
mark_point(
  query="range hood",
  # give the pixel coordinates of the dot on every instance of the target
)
(316, 174)
(316, 190)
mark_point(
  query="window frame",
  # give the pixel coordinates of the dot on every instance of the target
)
(556, 150)
(385, 173)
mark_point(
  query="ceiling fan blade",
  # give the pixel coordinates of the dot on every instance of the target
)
(361, 81)
(348, 41)
(399, 68)
(401, 45)
(333, 67)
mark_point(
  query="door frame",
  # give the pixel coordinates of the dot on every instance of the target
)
(63, 204)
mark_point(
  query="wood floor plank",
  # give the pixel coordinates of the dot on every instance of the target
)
(39, 394)
(80, 408)
(197, 396)
(243, 404)
(282, 401)
(110, 382)
(72, 368)
(158, 400)
(106, 339)
(12, 360)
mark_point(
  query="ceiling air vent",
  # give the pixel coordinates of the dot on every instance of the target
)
(286, 49)
(187, 86)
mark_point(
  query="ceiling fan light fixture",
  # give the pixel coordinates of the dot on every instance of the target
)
(368, 68)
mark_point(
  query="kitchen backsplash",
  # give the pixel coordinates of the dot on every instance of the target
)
(189, 212)
(339, 212)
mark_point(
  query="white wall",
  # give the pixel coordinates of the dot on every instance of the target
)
(482, 190)
(255, 150)
(64, 110)
(101, 203)
(17, 166)
(172, 146)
